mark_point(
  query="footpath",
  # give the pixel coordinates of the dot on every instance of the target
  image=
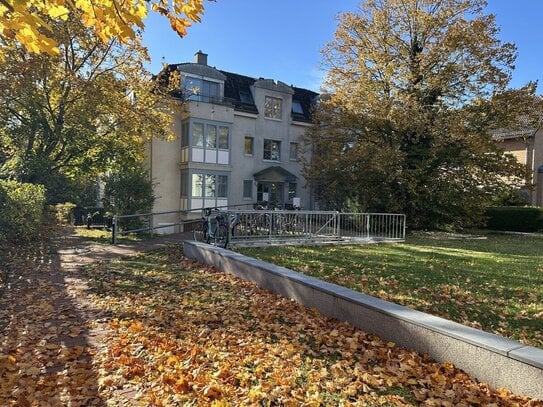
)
(49, 329)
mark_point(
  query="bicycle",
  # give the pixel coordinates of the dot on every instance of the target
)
(215, 228)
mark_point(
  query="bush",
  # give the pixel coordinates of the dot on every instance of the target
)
(21, 210)
(64, 213)
(513, 218)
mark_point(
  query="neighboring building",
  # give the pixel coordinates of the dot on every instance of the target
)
(238, 142)
(527, 146)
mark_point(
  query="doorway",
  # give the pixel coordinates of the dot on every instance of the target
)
(271, 192)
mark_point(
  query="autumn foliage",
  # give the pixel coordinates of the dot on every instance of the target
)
(415, 88)
(28, 22)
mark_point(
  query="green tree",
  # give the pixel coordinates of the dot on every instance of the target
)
(414, 89)
(77, 114)
(128, 191)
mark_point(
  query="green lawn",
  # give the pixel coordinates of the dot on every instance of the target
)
(494, 283)
(104, 235)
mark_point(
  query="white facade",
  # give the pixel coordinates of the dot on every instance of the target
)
(238, 143)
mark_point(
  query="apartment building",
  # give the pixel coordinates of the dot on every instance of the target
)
(239, 142)
(527, 146)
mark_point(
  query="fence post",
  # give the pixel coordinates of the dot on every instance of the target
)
(114, 230)
(368, 225)
(151, 225)
(270, 219)
(338, 217)
(404, 225)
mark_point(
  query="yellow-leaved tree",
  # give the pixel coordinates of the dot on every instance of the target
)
(26, 21)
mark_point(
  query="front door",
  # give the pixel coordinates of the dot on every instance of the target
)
(271, 192)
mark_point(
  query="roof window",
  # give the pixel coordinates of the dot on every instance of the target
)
(297, 107)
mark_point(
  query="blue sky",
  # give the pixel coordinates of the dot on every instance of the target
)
(282, 39)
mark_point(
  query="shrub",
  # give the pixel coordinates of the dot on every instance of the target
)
(21, 210)
(514, 218)
(64, 213)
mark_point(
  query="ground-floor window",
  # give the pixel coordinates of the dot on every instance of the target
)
(248, 189)
(208, 189)
(209, 185)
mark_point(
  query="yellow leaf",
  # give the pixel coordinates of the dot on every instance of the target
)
(56, 11)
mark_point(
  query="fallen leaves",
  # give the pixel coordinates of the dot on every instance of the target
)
(186, 334)
(206, 338)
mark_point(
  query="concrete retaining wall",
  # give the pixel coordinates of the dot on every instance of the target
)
(489, 358)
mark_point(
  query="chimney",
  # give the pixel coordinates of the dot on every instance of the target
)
(200, 58)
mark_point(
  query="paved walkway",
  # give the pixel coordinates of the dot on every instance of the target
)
(49, 328)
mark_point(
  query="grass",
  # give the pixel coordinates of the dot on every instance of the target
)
(494, 283)
(104, 235)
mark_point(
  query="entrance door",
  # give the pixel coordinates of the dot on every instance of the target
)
(273, 191)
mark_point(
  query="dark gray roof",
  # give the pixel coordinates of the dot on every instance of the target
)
(236, 85)
(237, 89)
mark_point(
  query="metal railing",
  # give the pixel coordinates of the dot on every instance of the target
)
(264, 227)
(250, 227)
(167, 222)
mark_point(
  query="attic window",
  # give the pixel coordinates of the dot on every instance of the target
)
(245, 97)
(201, 90)
(297, 107)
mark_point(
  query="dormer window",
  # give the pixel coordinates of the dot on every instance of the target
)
(297, 107)
(273, 107)
(201, 90)
(245, 97)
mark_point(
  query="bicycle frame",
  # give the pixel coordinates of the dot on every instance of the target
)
(214, 227)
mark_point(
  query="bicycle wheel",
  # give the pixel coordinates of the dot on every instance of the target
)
(205, 233)
(200, 232)
(221, 235)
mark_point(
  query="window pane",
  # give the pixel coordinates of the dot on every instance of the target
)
(213, 89)
(291, 190)
(223, 138)
(248, 189)
(293, 151)
(248, 146)
(211, 139)
(275, 150)
(272, 150)
(268, 107)
(245, 97)
(198, 134)
(184, 182)
(267, 150)
(277, 108)
(197, 184)
(193, 87)
(272, 107)
(210, 185)
(297, 107)
(222, 186)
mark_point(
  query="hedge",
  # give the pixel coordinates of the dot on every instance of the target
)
(515, 218)
(21, 210)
